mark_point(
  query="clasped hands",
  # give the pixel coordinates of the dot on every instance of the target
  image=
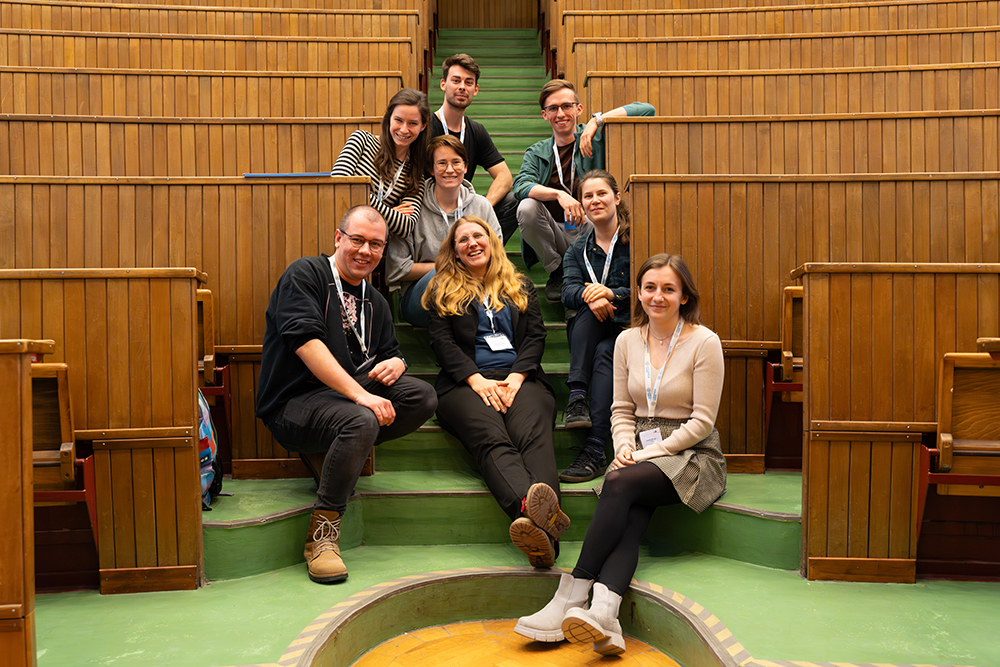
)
(599, 298)
(498, 394)
(386, 372)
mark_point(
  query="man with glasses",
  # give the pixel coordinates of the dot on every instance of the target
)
(332, 380)
(460, 83)
(548, 213)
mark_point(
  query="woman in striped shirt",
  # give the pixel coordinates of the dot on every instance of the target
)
(396, 162)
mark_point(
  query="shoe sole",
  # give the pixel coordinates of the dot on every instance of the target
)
(542, 506)
(335, 579)
(575, 480)
(538, 635)
(577, 630)
(579, 423)
(533, 541)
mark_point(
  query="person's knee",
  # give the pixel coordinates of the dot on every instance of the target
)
(529, 213)
(362, 428)
(614, 483)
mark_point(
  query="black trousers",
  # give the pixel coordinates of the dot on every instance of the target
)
(513, 450)
(324, 420)
(610, 550)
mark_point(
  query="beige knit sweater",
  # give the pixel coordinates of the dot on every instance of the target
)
(690, 389)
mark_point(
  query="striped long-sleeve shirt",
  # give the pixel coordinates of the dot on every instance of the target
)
(357, 158)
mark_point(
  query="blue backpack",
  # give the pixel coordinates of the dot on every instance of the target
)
(211, 469)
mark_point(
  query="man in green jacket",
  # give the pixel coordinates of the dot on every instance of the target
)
(548, 214)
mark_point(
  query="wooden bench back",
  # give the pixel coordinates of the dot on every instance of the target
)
(241, 232)
(800, 91)
(931, 141)
(48, 48)
(791, 51)
(53, 430)
(105, 146)
(179, 93)
(791, 335)
(763, 19)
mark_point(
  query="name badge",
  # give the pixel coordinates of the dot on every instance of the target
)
(649, 437)
(498, 342)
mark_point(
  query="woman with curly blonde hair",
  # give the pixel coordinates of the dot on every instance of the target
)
(487, 333)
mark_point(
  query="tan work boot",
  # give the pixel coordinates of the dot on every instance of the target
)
(323, 548)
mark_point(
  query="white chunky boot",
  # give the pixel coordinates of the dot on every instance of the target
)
(546, 625)
(599, 625)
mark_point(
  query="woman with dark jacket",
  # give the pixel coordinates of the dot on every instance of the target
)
(487, 333)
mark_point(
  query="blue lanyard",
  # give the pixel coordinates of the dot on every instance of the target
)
(607, 262)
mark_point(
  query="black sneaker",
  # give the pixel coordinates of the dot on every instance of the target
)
(553, 288)
(578, 413)
(588, 465)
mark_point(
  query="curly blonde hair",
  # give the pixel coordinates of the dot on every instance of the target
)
(453, 288)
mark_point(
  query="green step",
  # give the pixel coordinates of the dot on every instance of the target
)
(516, 98)
(415, 345)
(518, 57)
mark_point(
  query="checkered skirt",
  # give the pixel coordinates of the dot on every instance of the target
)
(698, 473)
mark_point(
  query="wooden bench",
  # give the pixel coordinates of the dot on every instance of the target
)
(50, 48)
(765, 19)
(927, 141)
(136, 406)
(990, 346)
(785, 376)
(800, 91)
(791, 51)
(17, 549)
(205, 147)
(874, 337)
(179, 93)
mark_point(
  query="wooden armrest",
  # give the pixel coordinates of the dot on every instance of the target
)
(67, 461)
(975, 448)
(45, 458)
(786, 366)
(945, 449)
(207, 312)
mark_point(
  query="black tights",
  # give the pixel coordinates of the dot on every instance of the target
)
(610, 550)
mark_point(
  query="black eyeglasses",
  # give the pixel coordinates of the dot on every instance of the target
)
(358, 242)
(566, 108)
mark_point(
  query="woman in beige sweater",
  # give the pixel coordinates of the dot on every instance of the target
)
(668, 382)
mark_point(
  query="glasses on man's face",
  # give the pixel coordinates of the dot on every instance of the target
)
(358, 242)
(565, 108)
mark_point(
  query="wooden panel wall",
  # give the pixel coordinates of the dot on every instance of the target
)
(874, 338)
(241, 233)
(823, 91)
(870, 143)
(38, 48)
(129, 337)
(766, 20)
(487, 14)
(422, 5)
(129, 146)
(252, 442)
(17, 550)
(742, 235)
(794, 51)
(178, 93)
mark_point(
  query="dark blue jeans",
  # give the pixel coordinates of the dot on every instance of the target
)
(591, 361)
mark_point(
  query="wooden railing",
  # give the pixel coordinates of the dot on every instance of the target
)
(207, 94)
(17, 549)
(130, 146)
(130, 337)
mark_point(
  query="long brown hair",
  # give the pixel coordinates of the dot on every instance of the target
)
(453, 288)
(624, 217)
(690, 310)
(417, 152)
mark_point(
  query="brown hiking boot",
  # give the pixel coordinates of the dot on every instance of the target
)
(323, 548)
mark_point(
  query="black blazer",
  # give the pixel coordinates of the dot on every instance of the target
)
(453, 340)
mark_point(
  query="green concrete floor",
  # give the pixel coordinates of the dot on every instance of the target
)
(774, 613)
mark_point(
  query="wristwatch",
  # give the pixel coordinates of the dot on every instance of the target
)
(599, 117)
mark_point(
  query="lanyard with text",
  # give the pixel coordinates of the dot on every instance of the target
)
(489, 313)
(607, 262)
(440, 114)
(496, 341)
(458, 212)
(653, 390)
(361, 308)
(572, 165)
(381, 185)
